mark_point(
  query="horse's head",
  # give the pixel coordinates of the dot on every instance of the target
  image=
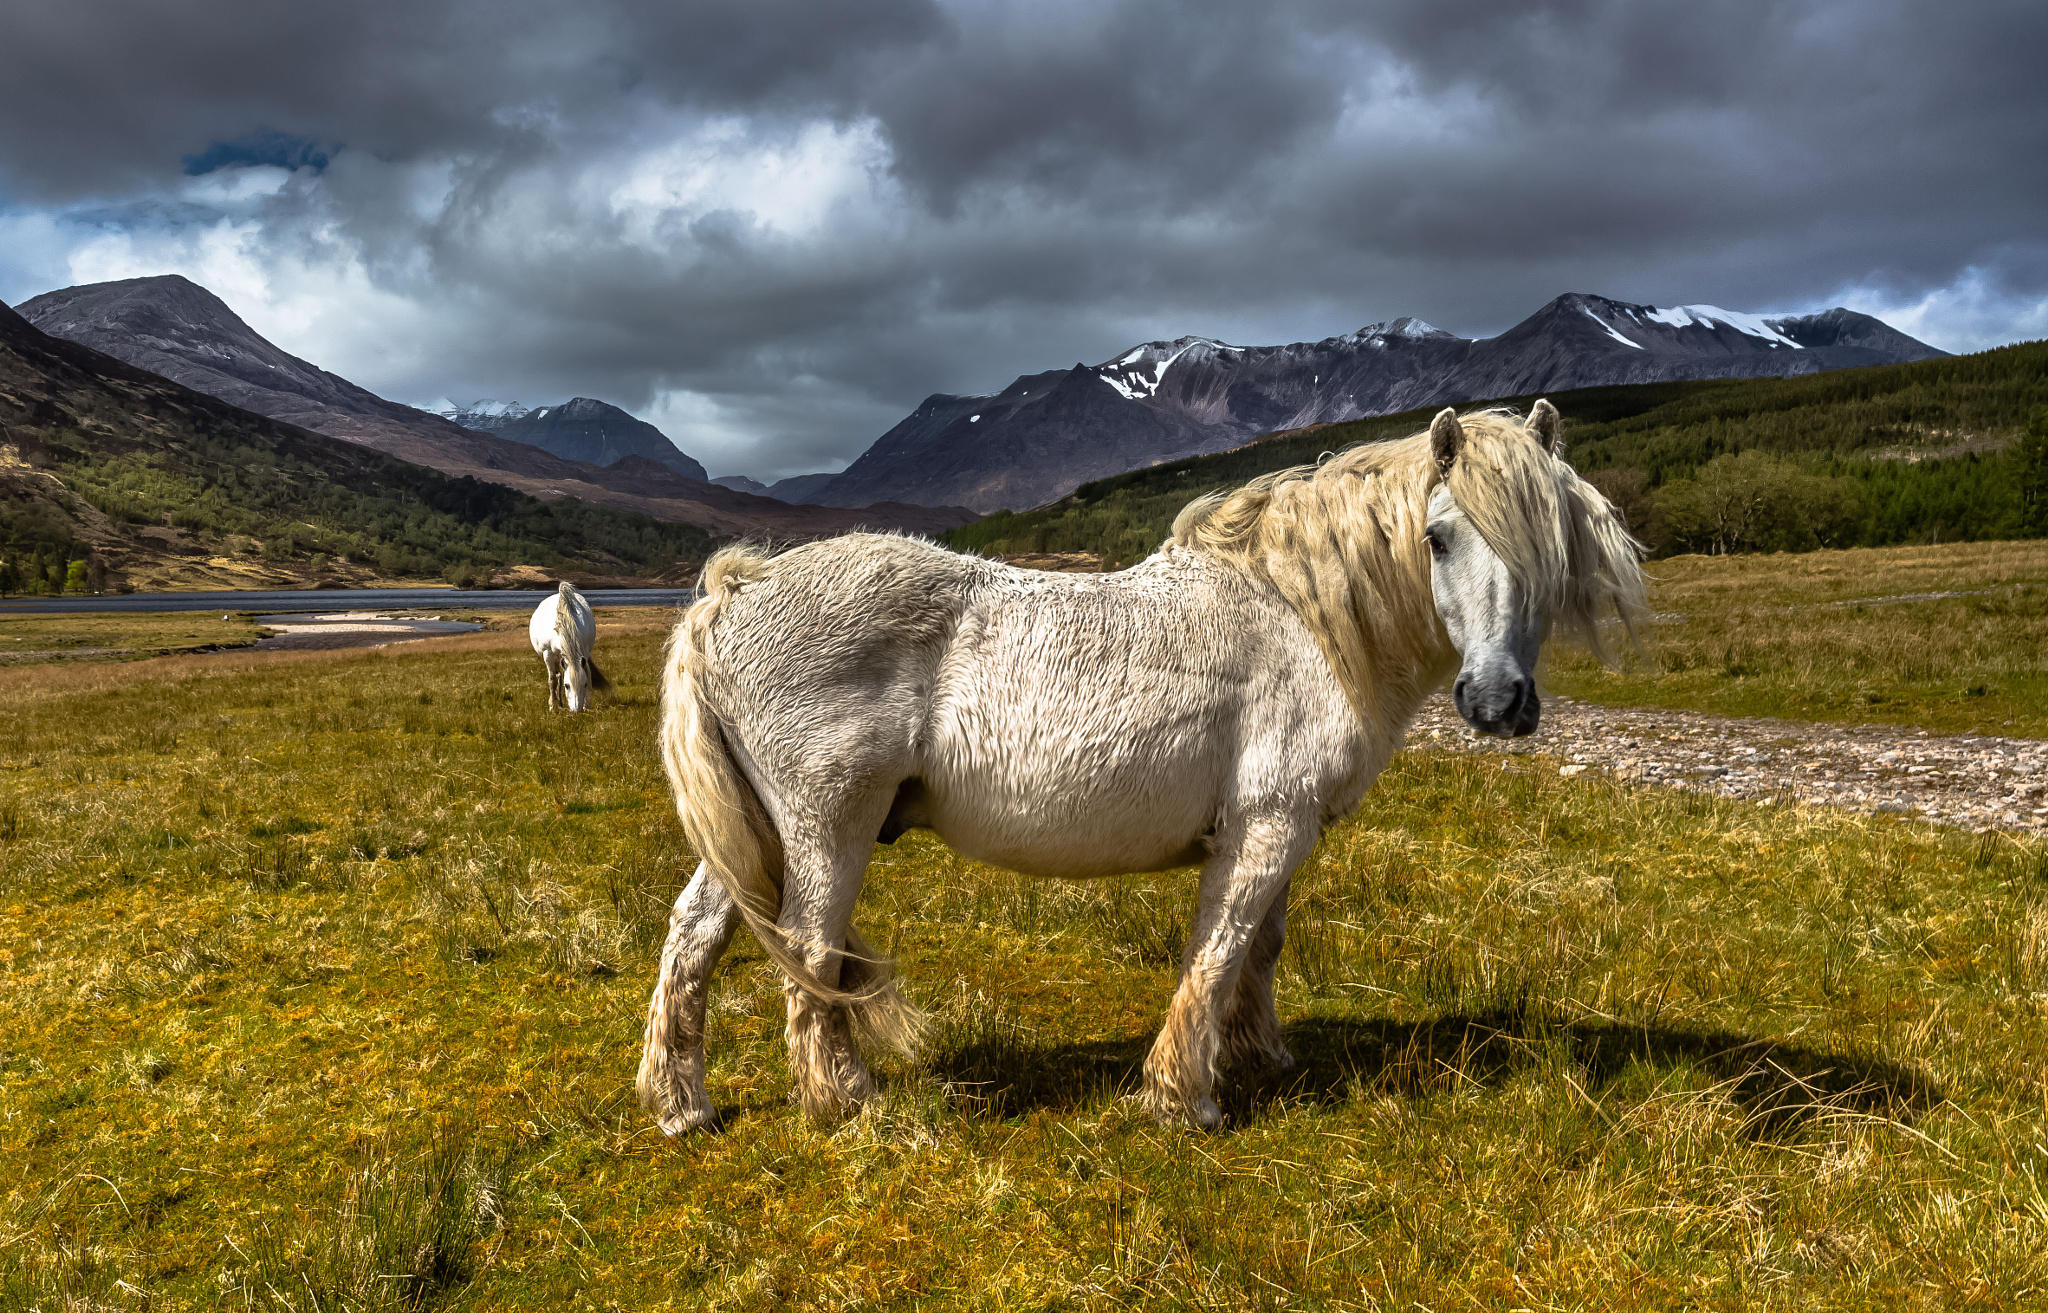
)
(576, 682)
(1516, 545)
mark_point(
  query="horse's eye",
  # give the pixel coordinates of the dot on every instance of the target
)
(1437, 545)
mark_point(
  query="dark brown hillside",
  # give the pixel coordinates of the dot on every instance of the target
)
(152, 484)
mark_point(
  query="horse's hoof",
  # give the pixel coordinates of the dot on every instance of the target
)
(1200, 1115)
(693, 1119)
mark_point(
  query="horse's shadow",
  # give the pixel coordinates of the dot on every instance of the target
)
(1780, 1085)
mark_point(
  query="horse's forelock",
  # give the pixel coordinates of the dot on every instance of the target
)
(1556, 533)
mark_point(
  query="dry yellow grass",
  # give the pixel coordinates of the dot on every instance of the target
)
(321, 980)
(1861, 636)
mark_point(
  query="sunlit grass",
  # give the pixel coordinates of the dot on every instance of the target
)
(29, 637)
(322, 979)
(1835, 636)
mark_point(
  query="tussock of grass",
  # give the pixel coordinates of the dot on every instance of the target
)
(337, 1004)
(1835, 636)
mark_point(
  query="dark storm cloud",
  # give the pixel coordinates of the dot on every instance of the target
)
(774, 225)
(143, 83)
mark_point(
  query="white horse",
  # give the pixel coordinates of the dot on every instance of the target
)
(562, 631)
(1220, 703)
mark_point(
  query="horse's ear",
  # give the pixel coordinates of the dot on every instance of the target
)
(1547, 427)
(1446, 440)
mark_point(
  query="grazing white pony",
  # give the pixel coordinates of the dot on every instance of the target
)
(562, 631)
(1220, 703)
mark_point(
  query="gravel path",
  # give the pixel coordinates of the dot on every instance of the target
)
(1978, 783)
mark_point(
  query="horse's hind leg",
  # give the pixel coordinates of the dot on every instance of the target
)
(1239, 886)
(820, 883)
(1251, 1028)
(671, 1081)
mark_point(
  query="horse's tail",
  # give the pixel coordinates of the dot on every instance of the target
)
(730, 827)
(566, 589)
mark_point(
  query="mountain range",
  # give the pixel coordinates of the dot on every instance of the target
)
(1047, 433)
(175, 328)
(583, 429)
(1030, 443)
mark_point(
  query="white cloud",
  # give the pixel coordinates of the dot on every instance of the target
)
(790, 180)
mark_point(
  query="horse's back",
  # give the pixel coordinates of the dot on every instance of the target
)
(541, 627)
(566, 614)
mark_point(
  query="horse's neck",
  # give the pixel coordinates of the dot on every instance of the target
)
(1401, 693)
(1406, 668)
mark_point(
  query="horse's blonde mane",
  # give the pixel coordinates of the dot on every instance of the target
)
(1342, 543)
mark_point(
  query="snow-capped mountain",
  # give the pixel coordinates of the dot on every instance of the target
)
(479, 414)
(1047, 433)
(582, 428)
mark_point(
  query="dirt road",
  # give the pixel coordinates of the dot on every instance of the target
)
(1975, 782)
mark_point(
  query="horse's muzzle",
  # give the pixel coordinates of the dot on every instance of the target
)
(1510, 710)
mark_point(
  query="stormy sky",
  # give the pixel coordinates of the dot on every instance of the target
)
(773, 226)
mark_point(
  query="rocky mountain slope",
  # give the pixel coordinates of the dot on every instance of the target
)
(147, 483)
(582, 429)
(175, 328)
(1930, 450)
(1048, 433)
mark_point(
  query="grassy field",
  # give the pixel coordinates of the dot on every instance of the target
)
(27, 638)
(322, 978)
(1863, 636)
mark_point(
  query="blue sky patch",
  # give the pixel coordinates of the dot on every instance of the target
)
(264, 146)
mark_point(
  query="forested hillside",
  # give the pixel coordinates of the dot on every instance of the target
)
(1930, 451)
(111, 476)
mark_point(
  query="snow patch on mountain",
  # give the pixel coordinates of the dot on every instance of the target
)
(1129, 375)
(483, 410)
(1609, 327)
(1707, 316)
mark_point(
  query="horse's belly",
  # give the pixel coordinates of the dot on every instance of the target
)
(1048, 815)
(1076, 842)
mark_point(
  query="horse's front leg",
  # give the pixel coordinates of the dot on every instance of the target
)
(1240, 885)
(671, 1080)
(1251, 1028)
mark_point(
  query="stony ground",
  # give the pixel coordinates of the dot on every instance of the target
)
(1972, 781)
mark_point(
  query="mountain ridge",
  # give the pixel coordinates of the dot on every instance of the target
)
(1163, 400)
(149, 483)
(580, 429)
(175, 328)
